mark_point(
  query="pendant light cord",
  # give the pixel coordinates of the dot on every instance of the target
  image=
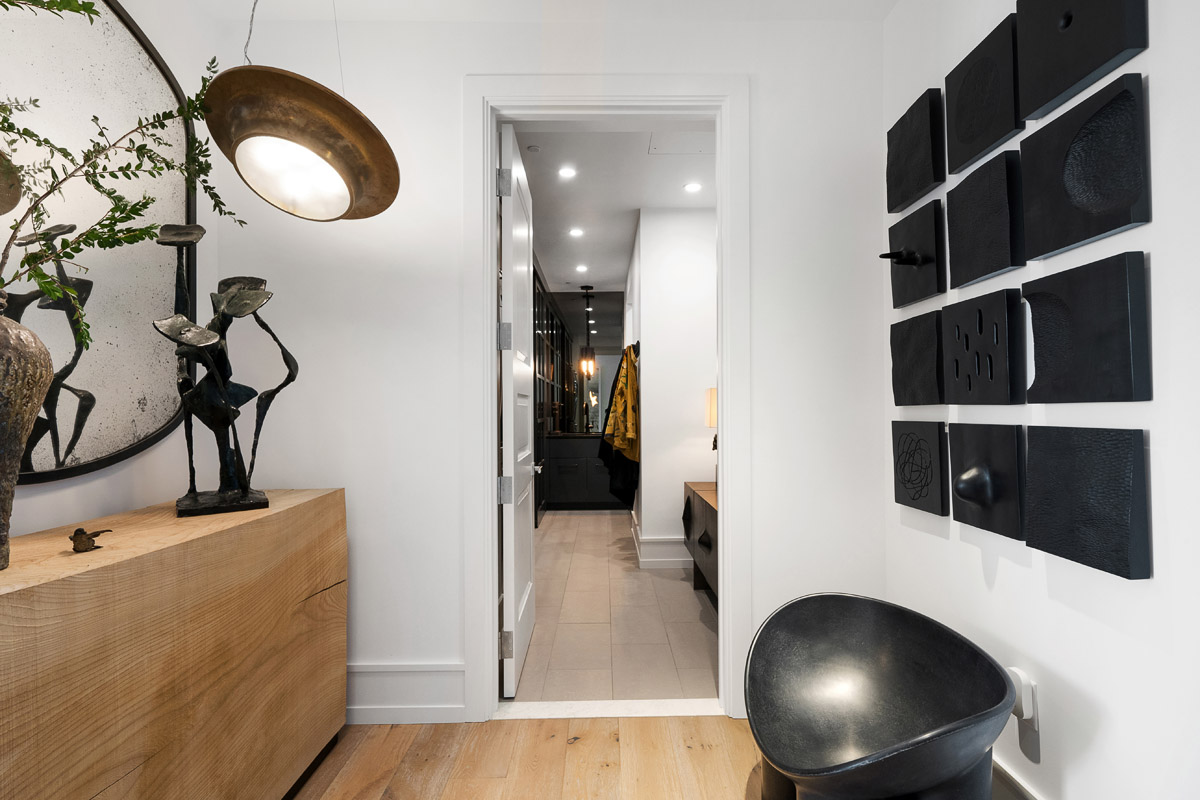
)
(249, 33)
(337, 32)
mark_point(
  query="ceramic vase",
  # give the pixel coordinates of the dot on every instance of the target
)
(25, 375)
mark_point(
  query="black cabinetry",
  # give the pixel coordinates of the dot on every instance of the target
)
(576, 478)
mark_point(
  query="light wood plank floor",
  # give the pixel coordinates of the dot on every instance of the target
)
(652, 758)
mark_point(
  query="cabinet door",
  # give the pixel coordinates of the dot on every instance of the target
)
(704, 543)
(568, 480)
(598, 482)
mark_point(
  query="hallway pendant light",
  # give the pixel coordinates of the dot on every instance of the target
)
(587, 353)
(299, 145)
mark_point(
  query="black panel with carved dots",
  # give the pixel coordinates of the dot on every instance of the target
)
(1086, 175)
(983, 350)
(916, 152)
(919, 465)
(987, 477)
(917, 361)
(1088, 498)
(987, 229)
(1064, 46)
(1091, 333)
(917, 255)
(981, 98)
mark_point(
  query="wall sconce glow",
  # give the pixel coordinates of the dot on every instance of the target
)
(301, 146)
(576, 232)
(692, 188)
(567, 172)
(292, 177)
(581, 268)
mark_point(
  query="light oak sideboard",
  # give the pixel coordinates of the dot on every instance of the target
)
(185, 658)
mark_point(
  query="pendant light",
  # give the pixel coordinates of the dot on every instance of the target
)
(300, 146)
(587, 354)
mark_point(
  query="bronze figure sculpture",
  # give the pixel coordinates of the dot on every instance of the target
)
(215, 399)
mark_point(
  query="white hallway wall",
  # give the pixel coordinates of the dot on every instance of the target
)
(677, 308)
(1114, 660)
(373, 309)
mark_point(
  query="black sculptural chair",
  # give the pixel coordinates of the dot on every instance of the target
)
(851, 698)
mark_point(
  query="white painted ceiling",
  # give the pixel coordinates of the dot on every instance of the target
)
(553, 10)
(616, 175)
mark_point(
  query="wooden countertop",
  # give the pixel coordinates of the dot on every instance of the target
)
(707, 491)
(45, 556)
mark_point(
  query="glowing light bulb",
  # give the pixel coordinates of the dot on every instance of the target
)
(292, 177)
(692, 188)
(567, 172)
(576, 232)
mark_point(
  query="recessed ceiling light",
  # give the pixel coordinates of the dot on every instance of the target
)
(589, 308)
(591, 322)
(566, 172)
(576, 232)
(581, 268)
(692, 188)
(595, 331)
(533, 148)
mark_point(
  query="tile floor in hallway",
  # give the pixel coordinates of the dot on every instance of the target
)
(608, 630)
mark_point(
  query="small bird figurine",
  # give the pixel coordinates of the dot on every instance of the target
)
(84, 541)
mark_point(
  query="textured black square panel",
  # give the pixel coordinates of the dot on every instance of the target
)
(916, 155)
(987, 229)
(1086, 174)
(917, 360)
(1091, 339)
(1063, 46)
(983, 350)
(917, 255)
(1087, 498)
(981, 98)
(986, 477)
(919, 465)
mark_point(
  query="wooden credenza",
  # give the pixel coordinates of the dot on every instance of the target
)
(199, 658)
(700, 533)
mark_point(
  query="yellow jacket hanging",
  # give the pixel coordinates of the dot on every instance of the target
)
(623, 429)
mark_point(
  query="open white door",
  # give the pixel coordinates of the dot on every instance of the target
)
(517, 601)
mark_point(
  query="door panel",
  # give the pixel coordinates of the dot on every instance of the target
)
(517, 424)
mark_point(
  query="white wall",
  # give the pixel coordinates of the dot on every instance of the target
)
(374, 310)
(1114, 660)
(677, 309)
(159, 473)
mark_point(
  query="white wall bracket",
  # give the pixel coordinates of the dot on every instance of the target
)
(1025, 709)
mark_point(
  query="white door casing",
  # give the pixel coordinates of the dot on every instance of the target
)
(486, 100)
(517, 412)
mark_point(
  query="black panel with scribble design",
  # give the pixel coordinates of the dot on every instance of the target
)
(919, 465)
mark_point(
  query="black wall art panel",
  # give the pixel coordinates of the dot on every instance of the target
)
(916, 152)
(987, 228)
(986, 477)
(1087, 498)
(983, 345)
(1064, 46)
(981, 98)
(917, 360)
(919, 465)
(1091, 339)
(918, 257)
(1086, 175)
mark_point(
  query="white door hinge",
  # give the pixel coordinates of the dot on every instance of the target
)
(504, 183)
(504, 336)
(504, 490)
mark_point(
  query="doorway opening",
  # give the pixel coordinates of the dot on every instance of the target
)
(554, 637)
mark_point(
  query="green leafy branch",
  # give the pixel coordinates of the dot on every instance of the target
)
(137, 153)
(55, 7)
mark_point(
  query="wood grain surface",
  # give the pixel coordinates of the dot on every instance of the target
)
(185, 658)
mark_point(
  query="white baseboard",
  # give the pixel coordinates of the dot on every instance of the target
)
(586, 709)
(400, 693)
(661, 553)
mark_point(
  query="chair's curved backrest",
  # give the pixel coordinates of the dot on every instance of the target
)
(835, 678)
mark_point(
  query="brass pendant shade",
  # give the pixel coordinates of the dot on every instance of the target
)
(299, 145)
(10, 185)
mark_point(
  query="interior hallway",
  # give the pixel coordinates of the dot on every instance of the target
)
(607, 630)
(656, 758)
